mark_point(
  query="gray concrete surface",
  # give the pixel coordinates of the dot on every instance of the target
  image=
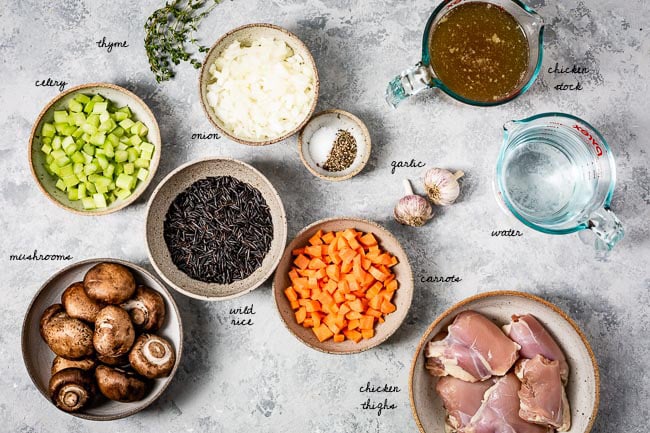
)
(261, 378)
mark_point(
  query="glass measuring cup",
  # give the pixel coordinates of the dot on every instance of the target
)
(422, 76)
(556, 174)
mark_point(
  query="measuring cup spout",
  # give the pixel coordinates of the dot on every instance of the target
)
(607, 228)
(408, 83)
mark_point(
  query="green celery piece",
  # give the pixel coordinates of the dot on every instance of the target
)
(97, 139)
(100, 107)
(60, 116)
(88, 108)
(99, 151)
(93, 119)
(124, 181)
(107, 125)
(64, 160)
(67, 171)
(88, 128)
(119, 131)
(146, 155)
(108, 150)
(90, 187)
(93, 178)
(77, 168)
(60, 184)
(103, 181)
(129, 168)
(135, 140)
(126, 110)
(141, 163)
(48, 130)
(87, 158)
(122, 146)
(82, 177)
(58, 153)
(49, 159)
(73, 194)
(119, 169)
(113, 139)
(85, 137)
(97, 98)
(68, 129)
(101, 189)
(143, 173)
(103, 117)
(108, 171)
(70, 149)
(134, 182)
(121, 155)
(70, 181)
(46, 149)
(78, 133)
(102, 161)
(67, 141)
(75, 106)
(46, 140)
(90, 168)
(147, 147)
(123, 193)
(120, 115)
(80, 97)
(112, 186)
(133, 154)
(56, 142)
(127, 124)
(88, 203)
(89, 149)
(78, 118)
(81, 188)
(54, 168)
(78, 158)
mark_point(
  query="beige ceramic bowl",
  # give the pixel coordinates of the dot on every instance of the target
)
(121, 97)
(175, 183)
(38, 356)
(402, 299)
(583, 388)
(246, 34)
(333, 120)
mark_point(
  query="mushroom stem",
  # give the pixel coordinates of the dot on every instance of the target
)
(459, 174)
(408, 189)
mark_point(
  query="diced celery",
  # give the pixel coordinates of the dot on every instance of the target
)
(78, 133)
(100, 201)
(60, 184)
(133, 154)
(73, 194)
(88, 128)
(99, 151)
(127, 124)
(75, 106)
(46, 140)
(119, 169)
(81, 190)
(100, 107)
(54, 168)
(119, 131)
(108, 171)
(148, 147)
(89, 149)
(67, 170)
(146, 155)
(46, 149)
(97, 98)
(88, 203)
(60, 116)
(102, 161)
(120, 115)
(107, 126)
(87, 158)
(123, 193)
(78, 118)
(49, 159)
(70, 181)
(97, 139)
(121, 155)
(113, 139)
(129, 168)
(90, 168)
(112, 186)
(78, 158)
(56, 142)
(143, 173)
(64, 160)
(77, 168)
(88, 108)
(93, 119)
(126, 110)
(122, 146)
(58, 153)
(124, 181)
(48, 130)
(67, 141)
(141, 163)
(80, 97)
(135, 140)
(101, 189)
(90, 187)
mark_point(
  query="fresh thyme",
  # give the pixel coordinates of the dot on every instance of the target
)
(168, 32)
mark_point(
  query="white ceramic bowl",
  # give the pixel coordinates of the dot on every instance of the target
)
(583, 387)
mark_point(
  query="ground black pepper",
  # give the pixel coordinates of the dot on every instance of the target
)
(343, 153)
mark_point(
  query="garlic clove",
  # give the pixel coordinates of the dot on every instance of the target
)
(412, 210)
(442, 186)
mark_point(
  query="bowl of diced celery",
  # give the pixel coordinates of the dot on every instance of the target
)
(95, 148)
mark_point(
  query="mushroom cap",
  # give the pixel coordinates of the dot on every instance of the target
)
(78, 305)
(72, 389)
(114, 361)
(60, 363)
(152, 356)
(66, 336)
(120, 385)
(114, 332)
(111, 283)
(146, 308)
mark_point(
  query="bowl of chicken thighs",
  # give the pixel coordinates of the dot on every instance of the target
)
(504, 362)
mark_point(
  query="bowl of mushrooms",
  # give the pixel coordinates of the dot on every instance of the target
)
(102, 339)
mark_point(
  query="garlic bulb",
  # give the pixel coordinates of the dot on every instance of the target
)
(442, 186)
(412, 210)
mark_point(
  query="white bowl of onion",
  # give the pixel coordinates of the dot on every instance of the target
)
(259, 84)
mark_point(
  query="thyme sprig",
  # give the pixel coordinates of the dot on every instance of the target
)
(169, 31)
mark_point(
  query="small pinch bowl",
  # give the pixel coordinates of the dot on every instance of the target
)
(583, 386)
(175, 183)
(246, 34)
(402, 299)
(121, 97)
(38, 356)
(344, 120)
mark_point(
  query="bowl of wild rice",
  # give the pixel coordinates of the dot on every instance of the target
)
(216, 229)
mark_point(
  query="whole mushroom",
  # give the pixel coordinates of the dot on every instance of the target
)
(66, 336)
(147, 309)
(120, 385)
(78, 305)
(152, 356)
(114, 361)
(114, 332)
(110, 283)
(72, 389)
(60, 363)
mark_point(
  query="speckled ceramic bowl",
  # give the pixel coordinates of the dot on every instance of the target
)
(402, 298)
(46, 182)
(583, 387)
(334, 120)
(246, 34)
(38, 356)
(175, 183)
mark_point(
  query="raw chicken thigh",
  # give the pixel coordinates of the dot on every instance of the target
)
(499, 412)
(474, 349)
(534, 339)
(461, 399)
(542, 395)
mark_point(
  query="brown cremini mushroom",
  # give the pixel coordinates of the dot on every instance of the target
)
(66, 336)
(114, 332)
(60, 363)
(78, 305)
(152, 356)
(111, 283)
(114, 361)
(120, 385)
(72, 389)
(147, 309)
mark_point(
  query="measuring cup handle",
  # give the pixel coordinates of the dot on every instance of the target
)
(409, 82)
(607, 228)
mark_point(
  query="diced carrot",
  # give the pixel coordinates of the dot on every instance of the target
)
(294, 305)
(316, 263)
(374, 290)
(376, 302)
(313, 250)
(391, 286)
(393, 261)
(356, 305)
(308, 323)
(354, 244)
(325, 298)
(346, 267)
(344, 309)
(323, 332)
(312, 306)
(339, 338)
(330, 321)
(316, 239)
(374, 313)
(383, 259)
(386, 294)
(367, 333)
(293, 274)
(339, 297)
(375, 272)
(321, 274)
(353, 324)
(354, 315)
(291, 294)
(347, 254)
(312, 283)
(301, 261)
(297, 251)
(350, 297)
(355, 336)
(340, 320)
(368, 240)
(301, 314)
(317, 318)
(365, 263)
(328, 237)
(331, 286)
(334, 272)
(367, 322)
(387, 307)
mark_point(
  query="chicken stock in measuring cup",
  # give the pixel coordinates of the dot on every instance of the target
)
(556, 174)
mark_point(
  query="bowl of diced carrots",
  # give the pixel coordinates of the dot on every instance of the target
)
(343, 285)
